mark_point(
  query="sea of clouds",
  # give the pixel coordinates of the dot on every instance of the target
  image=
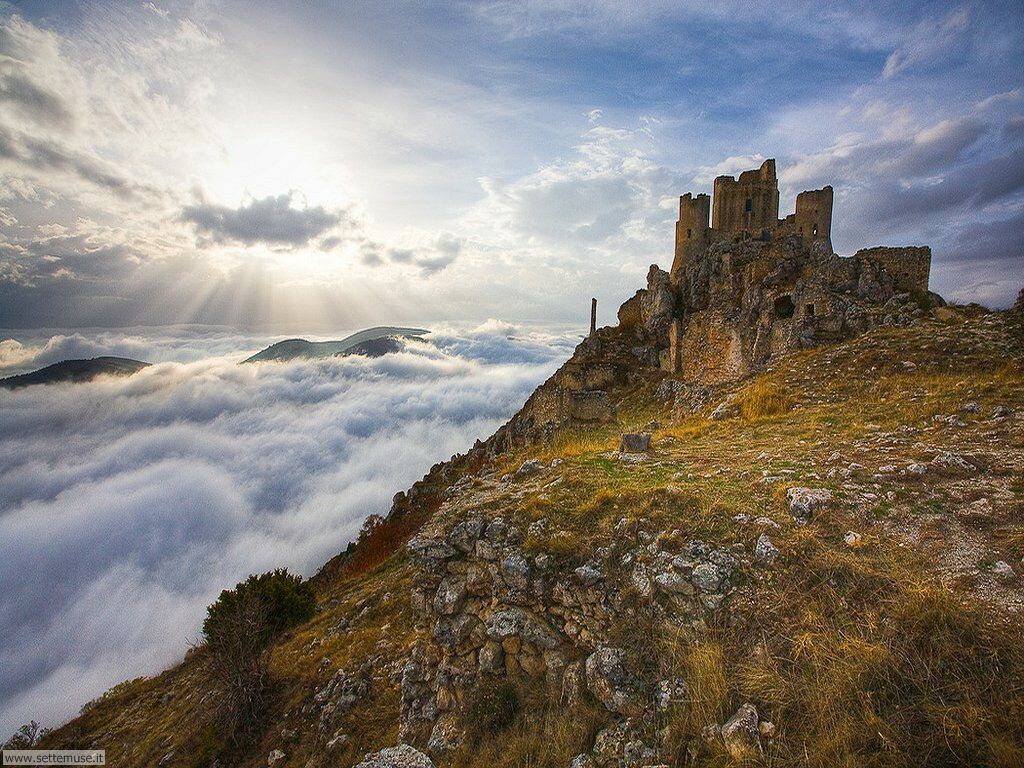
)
(126, 505)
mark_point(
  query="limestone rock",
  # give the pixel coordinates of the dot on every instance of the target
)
(949, 460)
(671, 692)
(582, 760)
(445, 736)
(610, 680)
(1003, 570)
(707, 577)
(657, 303)
(765, 551)
(402, 756)
(610, 743)
(804, 502)
(464, 535)
(430, 548)
(673, 583)
(588, 574)
(451, 594)
(516, 570)
(740, 734)
(529, 467)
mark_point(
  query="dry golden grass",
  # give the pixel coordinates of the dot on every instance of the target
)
(544, 735)
(762, 398)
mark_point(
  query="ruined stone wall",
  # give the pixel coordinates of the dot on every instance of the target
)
(748, 205)
(908, 267)
(710, 349)
(487, 607)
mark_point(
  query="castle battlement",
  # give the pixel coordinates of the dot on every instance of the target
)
(746, 286)
(748, 207)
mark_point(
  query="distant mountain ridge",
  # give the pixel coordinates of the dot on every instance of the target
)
(76, 371)
(372, 342)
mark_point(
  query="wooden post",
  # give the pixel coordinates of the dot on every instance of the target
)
(593, 316)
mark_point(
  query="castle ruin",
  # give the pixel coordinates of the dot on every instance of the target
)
(744, 288)
(745, 285)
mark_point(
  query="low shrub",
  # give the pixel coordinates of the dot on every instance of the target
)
(238, 630)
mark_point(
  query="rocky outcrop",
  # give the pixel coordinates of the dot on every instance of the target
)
(583, 391)
(730, 307)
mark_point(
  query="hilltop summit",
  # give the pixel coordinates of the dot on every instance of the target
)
(772, 517)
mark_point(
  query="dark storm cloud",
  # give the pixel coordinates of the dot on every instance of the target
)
(127, 504)
(271, 220)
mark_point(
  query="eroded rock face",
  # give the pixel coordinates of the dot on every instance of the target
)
(730, 306)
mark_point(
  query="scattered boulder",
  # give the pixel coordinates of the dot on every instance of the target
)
(639, 442)
(1003, 570)
(852, 539)
(529, 467)
(588, 574)
(804, 502)
(671, 692)
(275, 756)
(949, 460)
(740, 733)
(765, 551)
(402, 756)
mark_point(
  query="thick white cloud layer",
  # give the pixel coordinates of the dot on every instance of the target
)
(128, 504)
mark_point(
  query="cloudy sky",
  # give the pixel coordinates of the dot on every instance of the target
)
(335, 164)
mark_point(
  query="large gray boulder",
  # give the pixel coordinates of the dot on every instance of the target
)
(402, 756)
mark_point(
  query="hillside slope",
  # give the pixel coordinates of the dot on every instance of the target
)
(818, 565)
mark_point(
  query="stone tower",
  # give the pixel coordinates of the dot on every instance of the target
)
(692, 227)
(748, 206)
(814, 215)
